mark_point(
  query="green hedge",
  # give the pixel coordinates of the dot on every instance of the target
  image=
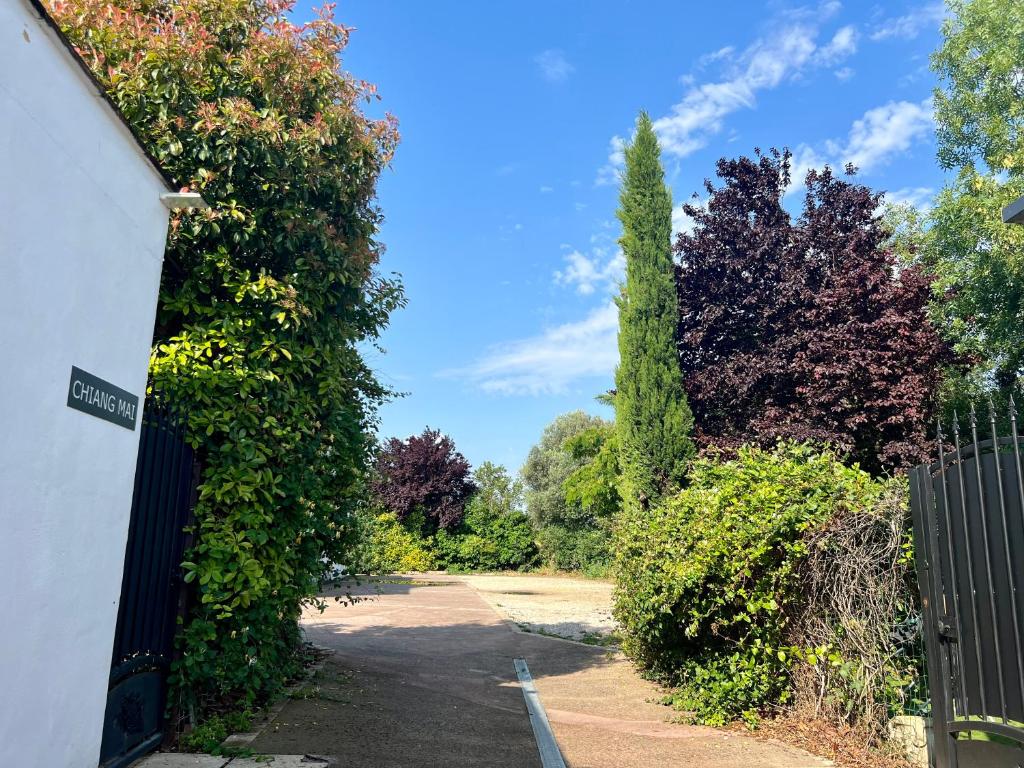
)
(707, 581)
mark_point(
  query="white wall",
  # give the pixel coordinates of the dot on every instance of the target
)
(82, 233)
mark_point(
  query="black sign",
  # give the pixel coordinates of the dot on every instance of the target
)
(91, 394)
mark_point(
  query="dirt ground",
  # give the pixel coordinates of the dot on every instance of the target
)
(421, 674)
(573, 608)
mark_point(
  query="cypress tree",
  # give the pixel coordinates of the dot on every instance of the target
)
(652, 415)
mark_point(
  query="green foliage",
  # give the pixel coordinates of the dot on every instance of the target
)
(549, 464)
(978, 260)
(980, 111)
(585, 549)
(707, 579)
(207, 736)
(651, 412)
(264, 300)
(390, 546)
(584, 544)
(594, 486)
(495, 533)
(571, 479)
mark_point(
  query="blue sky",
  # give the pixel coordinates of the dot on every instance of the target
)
(500, 203)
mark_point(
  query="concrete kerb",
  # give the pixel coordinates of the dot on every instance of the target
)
(242, 740)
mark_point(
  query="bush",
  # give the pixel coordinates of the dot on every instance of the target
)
(859, 621)
(266, 303)
(494, 534)
(583, 549)
(488, 540)
(389, 546)
(709, 579)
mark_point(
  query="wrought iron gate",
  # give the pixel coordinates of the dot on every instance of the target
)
(968, 512)
(147, 615)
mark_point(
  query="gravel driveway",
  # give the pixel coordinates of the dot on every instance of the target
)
(563, 606)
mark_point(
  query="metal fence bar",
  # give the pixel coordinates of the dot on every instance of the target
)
(965, 592)
(1006, 552)
(954, 587)
(161, 508)
(988, 563)
(970, 564)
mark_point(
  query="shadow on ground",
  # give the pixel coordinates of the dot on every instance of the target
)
(421, 675)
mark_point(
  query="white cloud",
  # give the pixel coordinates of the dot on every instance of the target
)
(919, 197)
(551, 361)
(909, 26)
(804, 159)
(546, 189)
(553, 65)
(885, 131)
(785, 53)
(681, 222)
(843, 74)
(843, 44)
(789, 49)
(709, 58)
(609, 172)
(589, 273)
(873, 140)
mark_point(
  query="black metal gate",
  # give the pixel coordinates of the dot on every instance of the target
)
(147, 615)
(968, 514)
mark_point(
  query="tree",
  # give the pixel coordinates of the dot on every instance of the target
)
(424, 473)
(497, 491)
(264, 301)
(495, 533)
(979, 261)
(806, 330)
(594, 486)
(652, 416)
(548, 465)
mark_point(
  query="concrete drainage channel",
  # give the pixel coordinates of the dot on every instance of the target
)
(550, 755)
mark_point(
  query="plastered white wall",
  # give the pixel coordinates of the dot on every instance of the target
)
(82, 233)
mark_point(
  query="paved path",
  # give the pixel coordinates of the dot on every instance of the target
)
(422, 675)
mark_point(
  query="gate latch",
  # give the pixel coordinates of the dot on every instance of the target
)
(947, 631)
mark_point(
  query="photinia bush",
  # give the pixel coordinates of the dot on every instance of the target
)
(263, 302)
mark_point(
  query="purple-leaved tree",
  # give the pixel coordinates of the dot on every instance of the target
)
(423, 473)
(805, 329)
